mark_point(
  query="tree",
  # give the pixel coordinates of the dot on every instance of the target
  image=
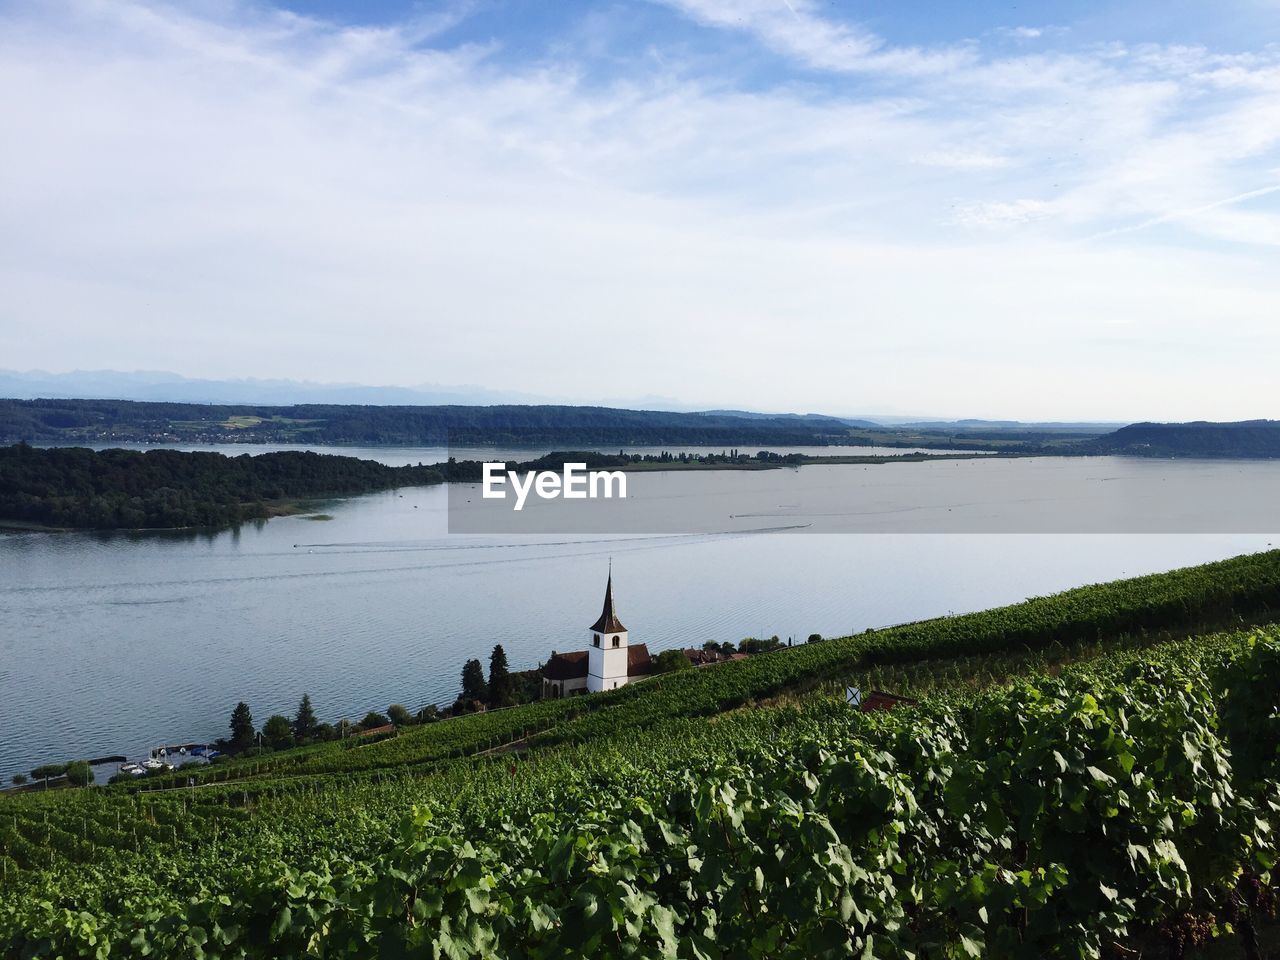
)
(373, 720)
(399, 715)
(815, 638)
(473, 685)
(754, 645)
(304, 721)
(499, 678)
(241, 725)
(79, 774)
(669, 661)
(48, 772)
(278, 731)
(19, 779)
(429, 714)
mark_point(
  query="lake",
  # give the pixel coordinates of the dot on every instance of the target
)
(113, 643)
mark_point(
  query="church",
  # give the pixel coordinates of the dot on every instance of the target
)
(610, 662)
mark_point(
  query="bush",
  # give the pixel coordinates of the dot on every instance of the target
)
(374, 719)
(49, 771)
(19, 779)
(79, 774)
(668, 661)
(399, 715)
(278, 732)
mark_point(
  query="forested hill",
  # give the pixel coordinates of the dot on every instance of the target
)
(1250, 438)
(111, 489)
(44, 421)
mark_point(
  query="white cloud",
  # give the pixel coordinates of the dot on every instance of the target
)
(963, 159)
(794, 28)
(232, 191)
(1002, 213)
(1022, 33)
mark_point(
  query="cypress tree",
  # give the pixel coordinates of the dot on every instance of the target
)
(499, 678)
(473, 685)
(304, 722)
(242, 725)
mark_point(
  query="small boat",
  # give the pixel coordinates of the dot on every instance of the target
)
(136, 769)
(156, 765)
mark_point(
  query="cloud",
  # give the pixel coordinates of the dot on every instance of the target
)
(1002, 213)
(230, 190)
(1022, 33)
(795, 29)
(963, 159)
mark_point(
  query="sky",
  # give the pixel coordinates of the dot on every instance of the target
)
(1053, 211)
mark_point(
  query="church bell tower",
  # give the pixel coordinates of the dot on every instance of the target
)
(607, 657)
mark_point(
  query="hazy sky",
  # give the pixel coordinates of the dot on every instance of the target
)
(1058, 210)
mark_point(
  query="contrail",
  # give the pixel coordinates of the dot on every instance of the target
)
(1194, 211)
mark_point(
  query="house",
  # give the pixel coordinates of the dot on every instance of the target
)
(611, 661)
(701, 657)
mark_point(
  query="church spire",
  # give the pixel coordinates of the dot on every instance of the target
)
(608, 622)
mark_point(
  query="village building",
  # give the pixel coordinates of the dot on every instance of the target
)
(611, 660)
(702, 657)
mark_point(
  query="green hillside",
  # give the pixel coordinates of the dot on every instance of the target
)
(1250, 439)
(1079, 778)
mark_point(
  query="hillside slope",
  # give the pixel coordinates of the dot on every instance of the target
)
(1246, 439)
(688, 816)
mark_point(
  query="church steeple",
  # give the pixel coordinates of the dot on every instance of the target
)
(608, 622)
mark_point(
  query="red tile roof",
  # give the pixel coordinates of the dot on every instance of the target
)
(879, 700)
(566, 666)
(699, 657)
(639, 663)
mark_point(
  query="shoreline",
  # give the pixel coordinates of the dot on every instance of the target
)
(301, 506)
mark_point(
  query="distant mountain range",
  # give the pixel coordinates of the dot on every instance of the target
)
(77, 421)
(816, 419)
(166, 387)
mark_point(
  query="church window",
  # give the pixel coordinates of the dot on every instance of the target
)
(615, 640)
(596, 639)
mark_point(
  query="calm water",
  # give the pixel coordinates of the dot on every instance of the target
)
(113, 643)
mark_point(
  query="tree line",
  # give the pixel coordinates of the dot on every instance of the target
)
(156, 489)
(46, 420)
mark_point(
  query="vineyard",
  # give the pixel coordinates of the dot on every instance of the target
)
(1080, 779)
(1213, 596)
